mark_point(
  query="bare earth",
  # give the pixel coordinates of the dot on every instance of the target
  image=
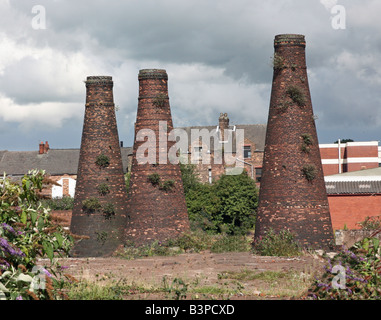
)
(202, 272)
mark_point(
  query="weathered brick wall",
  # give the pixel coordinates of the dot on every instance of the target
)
(154, 213)
(287, 199)
(348, 210)
(99, 136)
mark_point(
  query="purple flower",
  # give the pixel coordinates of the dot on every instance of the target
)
(46, 272)
(7, 248)
(8, 228)
(19, 298)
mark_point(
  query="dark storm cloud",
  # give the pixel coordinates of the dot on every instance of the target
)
(217, 54)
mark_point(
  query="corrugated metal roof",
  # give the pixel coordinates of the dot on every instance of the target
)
(353, 187)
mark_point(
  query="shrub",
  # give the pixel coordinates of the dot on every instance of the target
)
(309, 171)
(228, 205)
(102, 161)
(154, 178)
(103, 189)
(307, 142)
(296, 96)
(167, 185)
(91, 205)
(27, 233)
(64, 203)
(276, 244)
(108, 210)
(278, 62)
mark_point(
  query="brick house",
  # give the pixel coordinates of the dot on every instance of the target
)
(211, 142)
(60, 166)
(353, 196)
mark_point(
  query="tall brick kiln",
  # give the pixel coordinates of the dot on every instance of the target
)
(100, 196)
(156, 202)
(292, 192)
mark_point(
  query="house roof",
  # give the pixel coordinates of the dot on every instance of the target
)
(256, 133)
(54, 162)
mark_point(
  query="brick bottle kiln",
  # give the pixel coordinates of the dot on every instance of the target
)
(292, 192)
(100, 195)
(156, 201)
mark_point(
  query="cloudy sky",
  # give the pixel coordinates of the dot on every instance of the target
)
(217, 54)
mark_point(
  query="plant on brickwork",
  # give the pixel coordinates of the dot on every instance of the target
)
(309, 172)
(166, 185)
(296, 95)
(101, 236)
(306, 142)
(278, 62)
(154, 178)
(280, 243)
(108, 210)
(102, 161)
(283, 106)
(353, 274)
(90, 205)
(103, 189)
(26, 234)
(159, 100)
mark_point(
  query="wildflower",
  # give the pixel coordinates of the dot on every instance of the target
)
(19, 298)
(7, 248)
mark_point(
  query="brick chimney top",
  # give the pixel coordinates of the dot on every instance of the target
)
(43, 147)
(223, 121)
(289, 39)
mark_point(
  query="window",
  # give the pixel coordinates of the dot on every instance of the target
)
(258, 174)
(247, 152)
(197, 153)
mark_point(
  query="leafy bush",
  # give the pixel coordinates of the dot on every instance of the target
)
(91, 205)
(27, 233)
(154, 178)
(108, 210)
(309, 172)
(353, 274)
(296, 96)
(276, 244)
(64, 203)
(228, 205)
(102, 161)
(103, 189)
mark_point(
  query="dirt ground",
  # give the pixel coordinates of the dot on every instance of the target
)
(205, 274)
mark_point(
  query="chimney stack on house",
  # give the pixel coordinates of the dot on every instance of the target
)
(99, 211)
(156, 201)
(292, 193)
(223, 124)
(43, 148)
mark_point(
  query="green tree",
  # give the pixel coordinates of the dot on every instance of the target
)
(227, 205)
